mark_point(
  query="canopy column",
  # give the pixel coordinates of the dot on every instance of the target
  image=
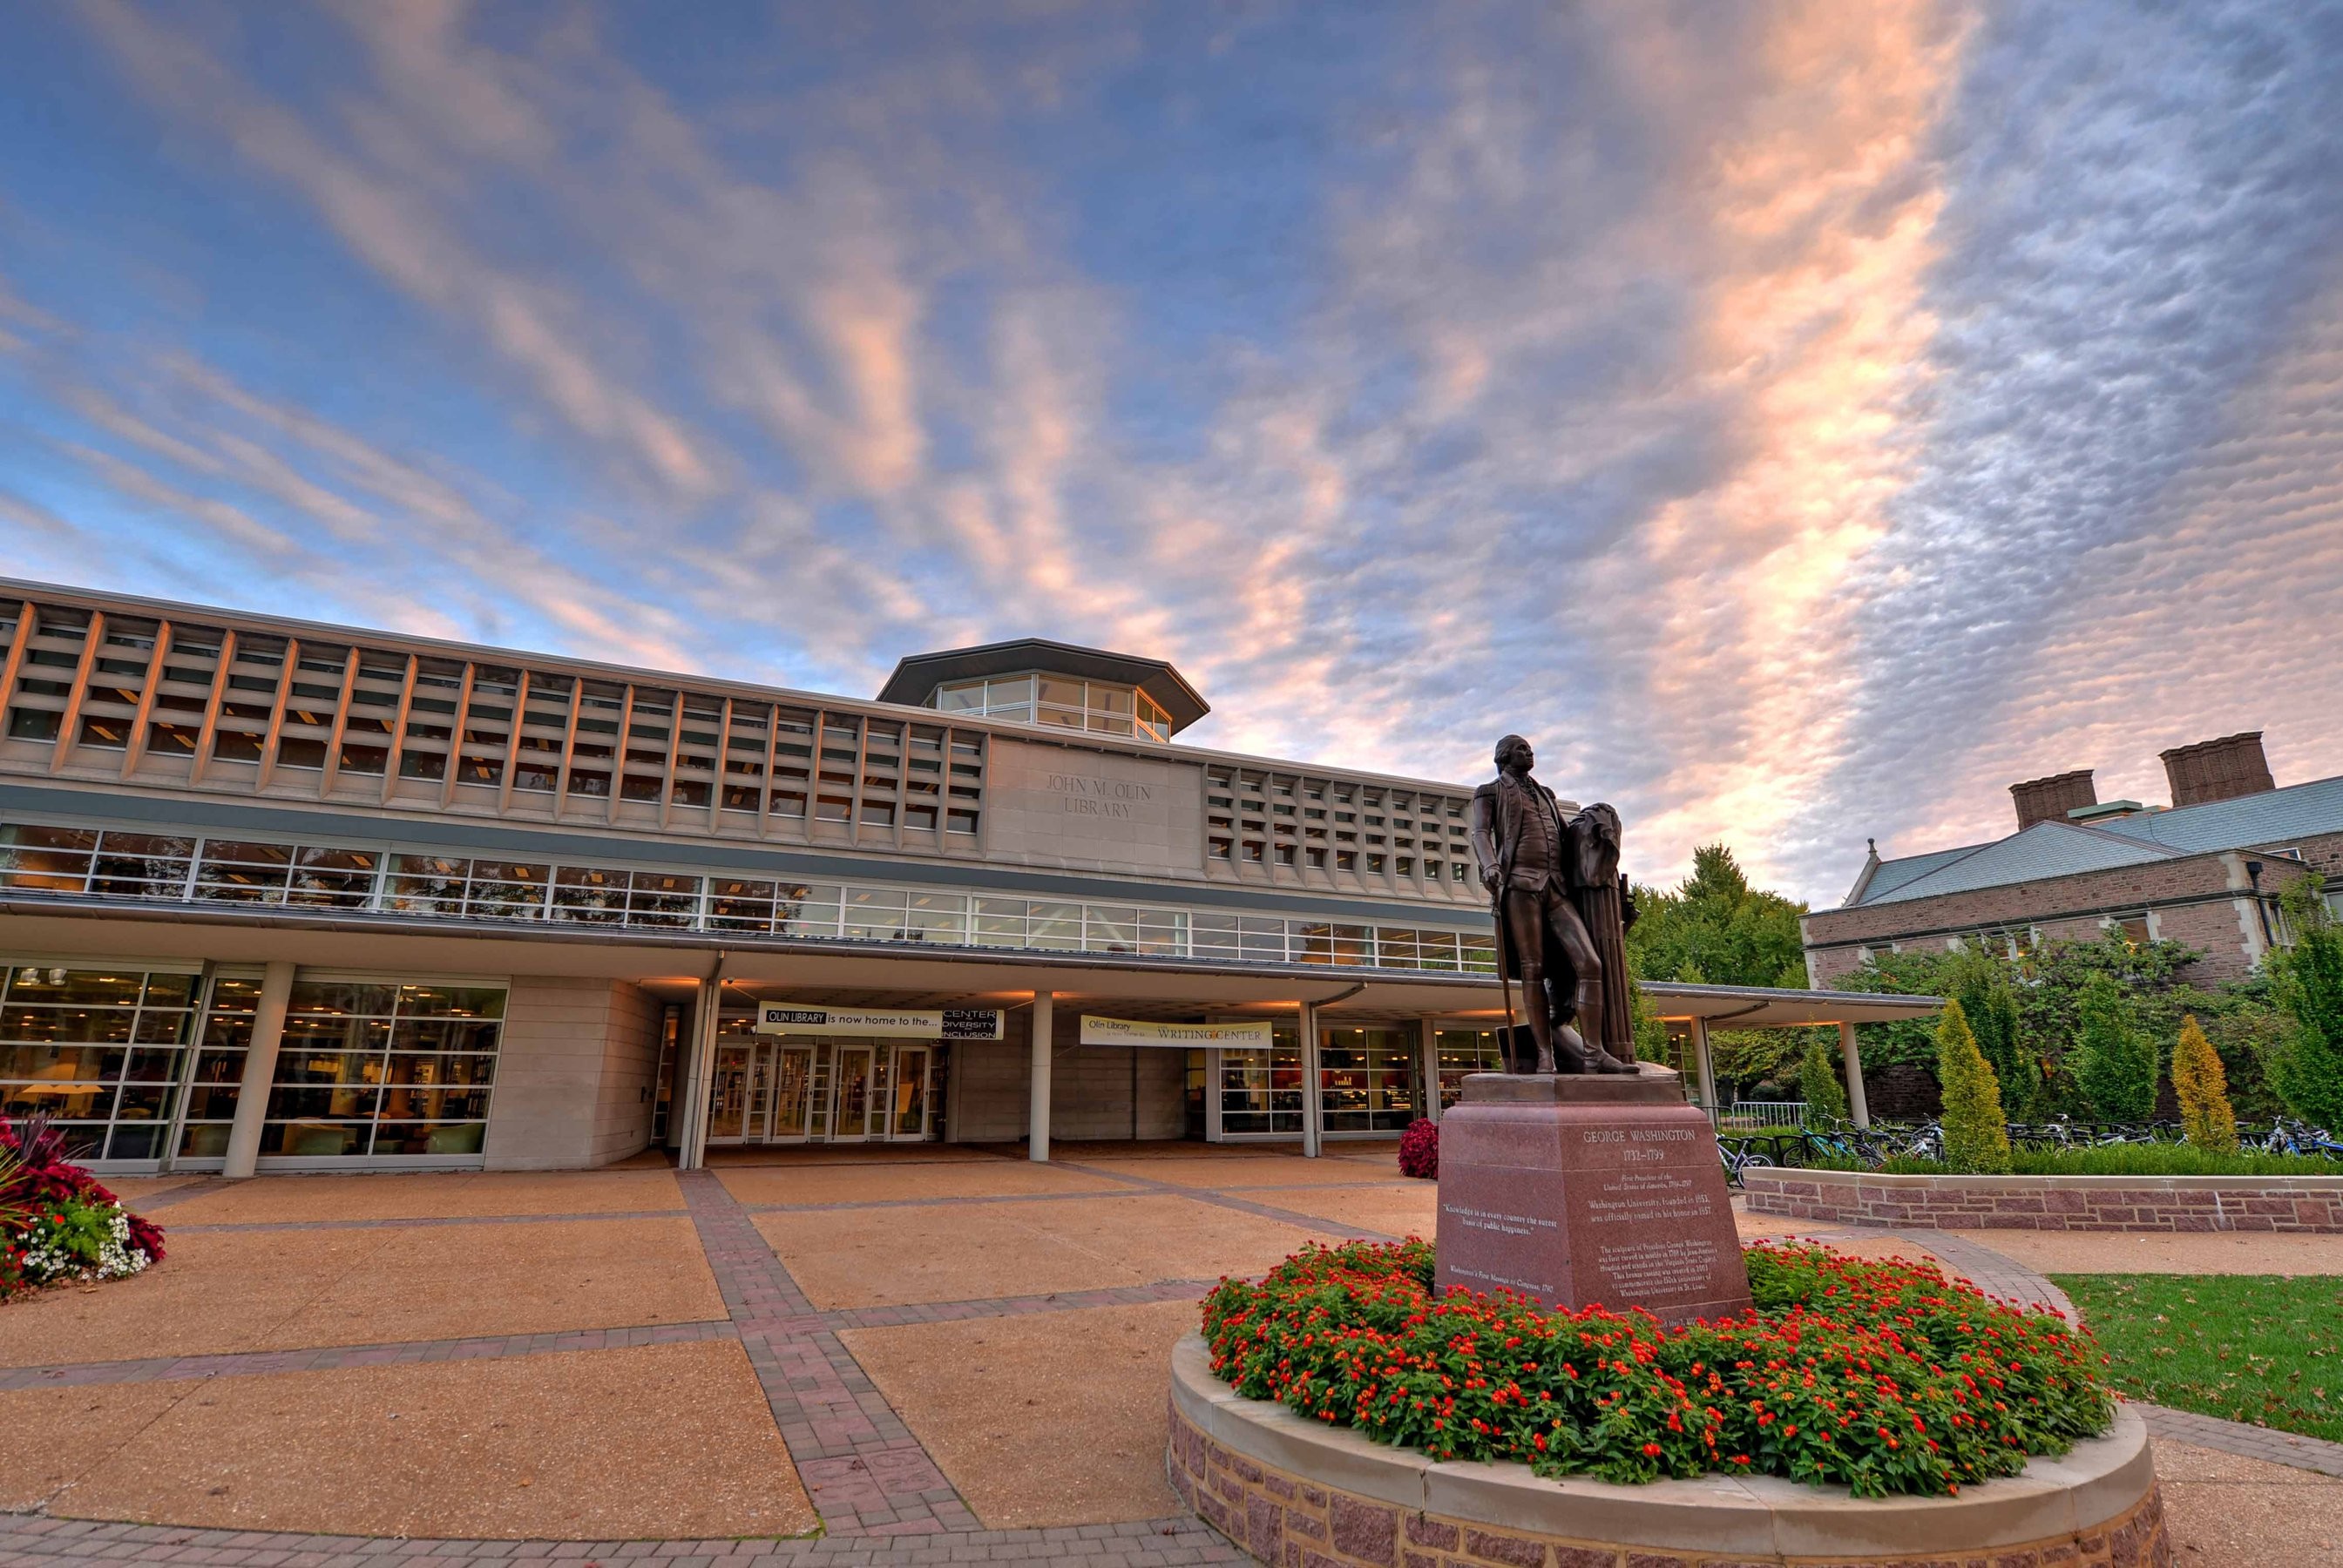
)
(1856, 1106)
(1314, 1110)
(1037, 1113)
(1706, 1074)
(1427, 1047)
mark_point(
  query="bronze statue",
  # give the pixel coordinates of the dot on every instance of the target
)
(1599, 892)
(1525, 848)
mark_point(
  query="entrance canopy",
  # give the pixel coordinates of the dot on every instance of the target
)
(1764, 1007)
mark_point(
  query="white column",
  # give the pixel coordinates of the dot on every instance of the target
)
(1701, 1064)
(1856, 1106)
(1037, 1114)
(1428, 1048)
(1313, 1102)
(259, 1071)
(698, 1071)
(1214, 1132)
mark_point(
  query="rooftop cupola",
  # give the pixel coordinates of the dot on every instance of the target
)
(1034, 680)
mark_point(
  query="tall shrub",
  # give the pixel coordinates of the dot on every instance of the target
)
(2202, 1088)
(2115, 1064)
(1819, 1084)
(2308, 980)
(1976, 1135)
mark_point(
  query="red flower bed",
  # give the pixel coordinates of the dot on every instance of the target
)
(57, 1220)
(1419, 1150)
(1881, 1376)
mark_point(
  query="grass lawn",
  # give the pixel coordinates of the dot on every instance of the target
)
(2261, 1348)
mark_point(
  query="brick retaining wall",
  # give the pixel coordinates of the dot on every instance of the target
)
(1295, 1493)
(2306, 1205)
(1293, 1522)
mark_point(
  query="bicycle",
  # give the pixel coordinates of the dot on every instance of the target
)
(1737, 1160)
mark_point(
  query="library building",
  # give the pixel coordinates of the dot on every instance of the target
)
(278, 896)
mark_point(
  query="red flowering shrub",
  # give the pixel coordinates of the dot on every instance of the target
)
(1419, 1150)
(1882, 1376)
(57, 1220)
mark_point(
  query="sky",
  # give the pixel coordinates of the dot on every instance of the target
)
(1802, 421)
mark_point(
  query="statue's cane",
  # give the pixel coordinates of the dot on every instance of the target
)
(1504, 982)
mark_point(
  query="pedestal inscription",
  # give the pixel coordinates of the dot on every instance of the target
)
(1582, 1190)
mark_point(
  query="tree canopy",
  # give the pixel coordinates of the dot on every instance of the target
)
(1714, 928)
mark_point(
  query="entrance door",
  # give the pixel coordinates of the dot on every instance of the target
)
(907, 1115)
(851, 1112)
(727, 1103)
(792, 1093)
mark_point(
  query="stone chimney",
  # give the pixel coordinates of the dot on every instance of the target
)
(2050, 799)
(2219, 770)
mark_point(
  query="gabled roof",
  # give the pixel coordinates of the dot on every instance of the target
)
(2053, 849)
(2271, 818)
(919, 674)
(2045, 849)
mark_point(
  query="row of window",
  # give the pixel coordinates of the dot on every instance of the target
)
(1258, 817)
(209, 695)
(1102, 708)
(113, 863)
(1369, 1080)
(367, 1068)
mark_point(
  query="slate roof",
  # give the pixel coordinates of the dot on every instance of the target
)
(2053, 849)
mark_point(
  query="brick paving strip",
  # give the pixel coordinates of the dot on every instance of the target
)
(501, 1347)
(863, 1467)
(37, 1540)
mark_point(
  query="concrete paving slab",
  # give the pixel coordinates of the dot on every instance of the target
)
(894, 1183)
(1412, 1210)
(419, 1194)
(1246, 1170)
(214, 1293)
(1031, 1434)
(50, 1436)
(464, 1281)
(2223, 1508)
(653, 1441)
(2164, 1252)
(967, 1251)
(848, 1154)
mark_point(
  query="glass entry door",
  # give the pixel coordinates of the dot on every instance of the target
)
(792, 1093)
(908, 1093)
(728, 1105)
(850, 1113)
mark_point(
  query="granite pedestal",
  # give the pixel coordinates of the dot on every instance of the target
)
(1585, 1189)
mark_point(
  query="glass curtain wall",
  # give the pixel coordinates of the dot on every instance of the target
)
(1260, 1091)
(376, 1068)
(99, 1050)
(1368, 1080)
(1460, 1052)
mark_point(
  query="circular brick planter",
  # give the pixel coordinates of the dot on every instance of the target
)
(1297, 1492)
(2302, 1205)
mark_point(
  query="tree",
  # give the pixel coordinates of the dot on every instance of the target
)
(2202, 1090)
(1714, 928)
(2116, 1065)
(2308, 980)
(1819, 1084)
(1977, 1136)
(1989, 1001)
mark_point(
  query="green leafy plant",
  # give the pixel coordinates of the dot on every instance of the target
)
(2308, 979)
(2116, 1065)
(1977, 1135)
(2202, 1090)
(1880, 1375)
(1819, 1084)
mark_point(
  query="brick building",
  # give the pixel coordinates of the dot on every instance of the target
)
(2206, 870)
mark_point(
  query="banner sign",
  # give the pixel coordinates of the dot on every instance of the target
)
(1249, 1035)
(902, 1023)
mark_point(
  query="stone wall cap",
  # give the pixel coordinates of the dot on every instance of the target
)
(2094, 1481)
(1766, 1176)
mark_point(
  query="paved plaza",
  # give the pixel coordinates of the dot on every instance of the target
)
(930, 1354)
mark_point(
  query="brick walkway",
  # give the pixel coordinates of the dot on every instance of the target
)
(1221, 1199)
(864, 1470)
(34, 1541)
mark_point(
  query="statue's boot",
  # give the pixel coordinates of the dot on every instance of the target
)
(1593, 1057)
